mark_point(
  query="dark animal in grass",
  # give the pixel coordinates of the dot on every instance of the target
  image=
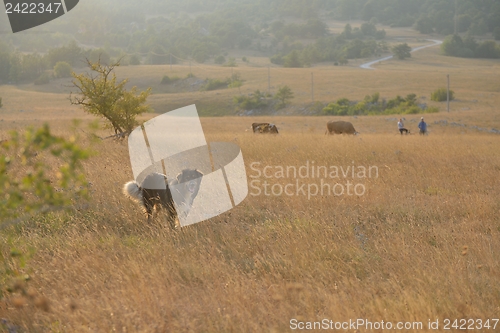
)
(154, 193)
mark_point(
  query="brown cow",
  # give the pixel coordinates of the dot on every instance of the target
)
(340, 127)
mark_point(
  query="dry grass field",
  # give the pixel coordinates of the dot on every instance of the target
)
(421, 243)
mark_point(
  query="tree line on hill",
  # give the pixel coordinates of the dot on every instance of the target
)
(468, 47)
(352, 43)
(217, 26)
(16, 67)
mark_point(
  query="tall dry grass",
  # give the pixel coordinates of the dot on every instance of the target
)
(421, 243)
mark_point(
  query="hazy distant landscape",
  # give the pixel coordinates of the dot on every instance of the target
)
(421, 243)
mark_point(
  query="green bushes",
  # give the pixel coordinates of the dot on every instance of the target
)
(233, 82)
(167, 80)
(213, 84)
(372, 105)
(440, 95)
(255, 101)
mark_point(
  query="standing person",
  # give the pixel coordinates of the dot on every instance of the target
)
(401, 127)
(422, 126)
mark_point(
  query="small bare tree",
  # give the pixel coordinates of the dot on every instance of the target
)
(101, 95)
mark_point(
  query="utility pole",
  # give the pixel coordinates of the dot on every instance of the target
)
(448, 93)
(170, 61)
(312, 87)
(269, 79)
(456, 18)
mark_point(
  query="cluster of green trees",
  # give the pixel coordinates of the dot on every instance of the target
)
(314, 28)
(373, 105)
(17, 67)
(123, 26)
(367, 30)
(350, 44)
(475, 16)
(478, 16)
(455, 46)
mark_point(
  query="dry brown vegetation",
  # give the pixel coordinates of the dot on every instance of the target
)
(422, 243)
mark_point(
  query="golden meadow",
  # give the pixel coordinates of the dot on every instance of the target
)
(422, 242)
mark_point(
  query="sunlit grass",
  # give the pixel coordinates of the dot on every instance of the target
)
(395, 253)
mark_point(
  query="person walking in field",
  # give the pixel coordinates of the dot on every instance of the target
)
(422, 126)
(401, 127)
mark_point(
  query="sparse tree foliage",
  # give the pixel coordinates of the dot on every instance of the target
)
(101, 95)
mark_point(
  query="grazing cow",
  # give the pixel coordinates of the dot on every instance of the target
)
(340, 127)
(264, 128)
